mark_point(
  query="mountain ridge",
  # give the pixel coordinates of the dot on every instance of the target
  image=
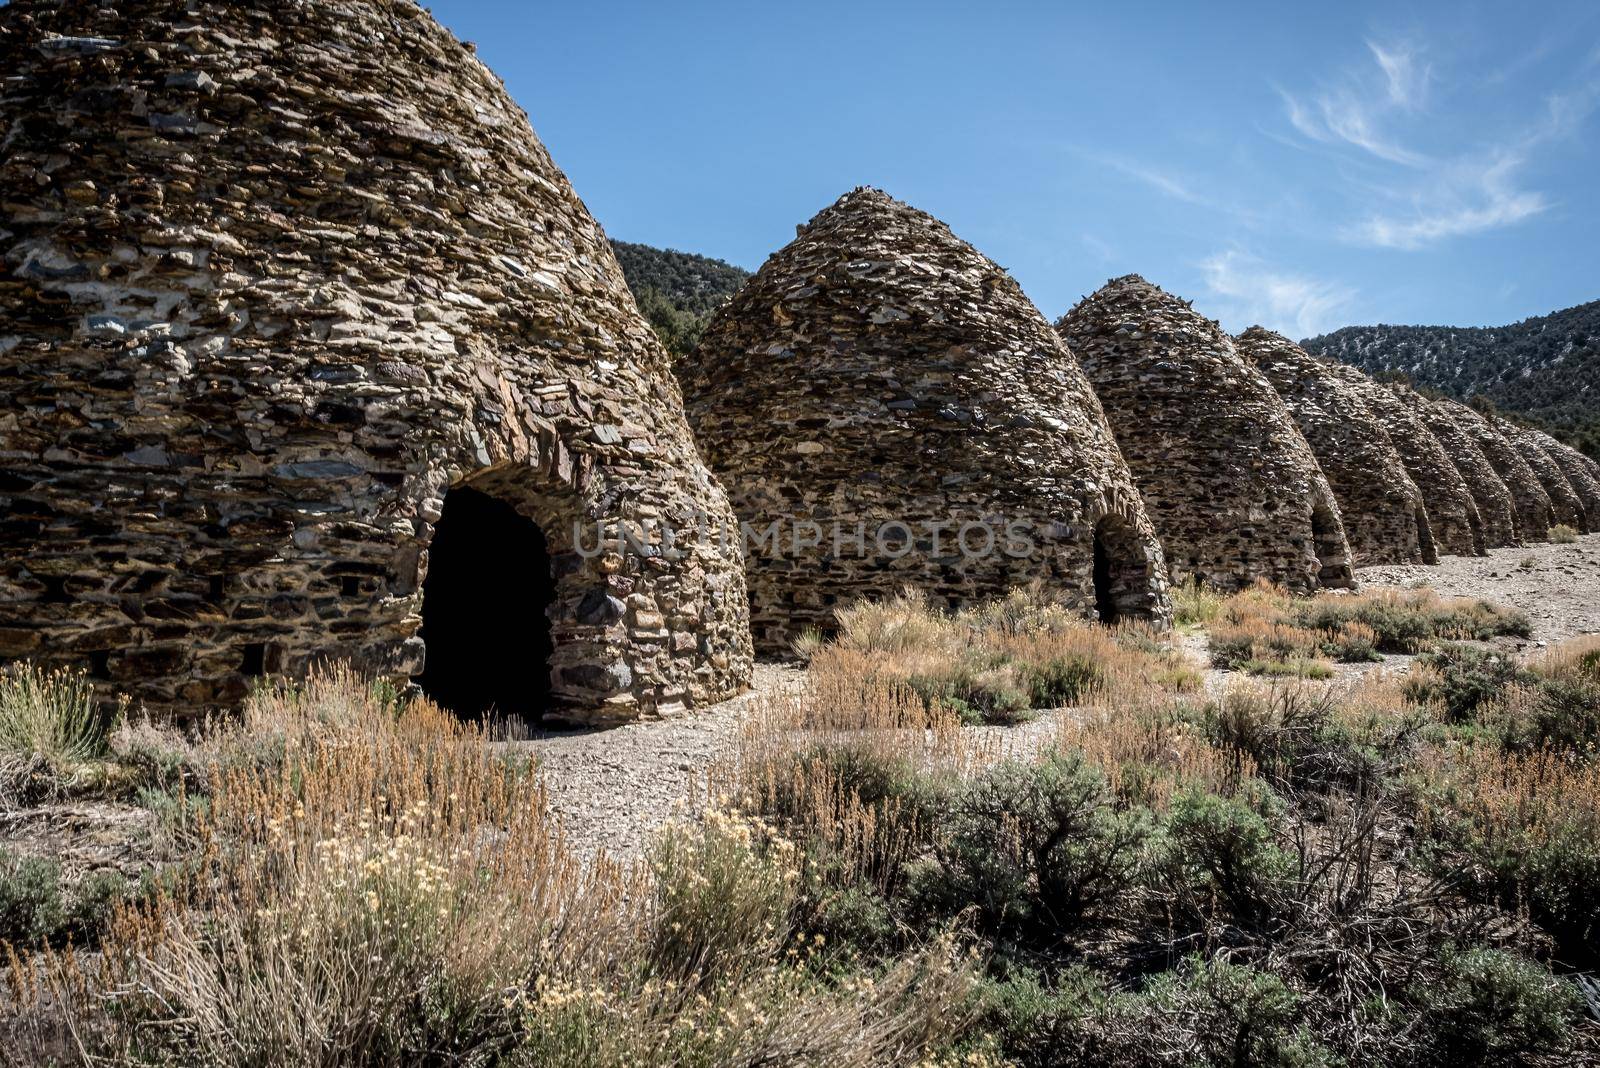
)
(678, 292)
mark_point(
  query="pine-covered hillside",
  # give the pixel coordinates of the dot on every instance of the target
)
(677, 291)
(1545, 370)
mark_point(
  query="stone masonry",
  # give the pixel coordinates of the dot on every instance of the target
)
(1382, 508)
(1535, 513)
(878, 370)
(1452, 513)
(1495, 506)
(1231, 485)
(1565, 505)
(1583, 474)
(277, 277)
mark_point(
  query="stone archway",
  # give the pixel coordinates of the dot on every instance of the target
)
(485, 605)
(1430, 552)
(514, 618)
(1475, 525)
(1333, 555)
(1121, 572)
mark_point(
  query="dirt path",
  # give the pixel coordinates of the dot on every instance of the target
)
(611, 789)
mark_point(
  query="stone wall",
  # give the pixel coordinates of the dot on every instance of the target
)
(276, 278)
(1565, 507)
(1383, 511)
(879, 370)
(1231, 485)
(1535, 514)
(1452, 513)
(1495, 506)
(1583, 474)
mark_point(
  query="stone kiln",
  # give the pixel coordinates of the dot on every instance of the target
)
(1231, 485)
(1489, 492)
(1452, 513)
(1583, 474)
(878, 371)
(1382, 508)
(288, 287)
(1535, 513)
(1565, 505)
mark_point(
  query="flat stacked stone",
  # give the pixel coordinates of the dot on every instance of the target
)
(1496, 508)
(1535, 513)
(878, 370)
(278, 276)
(1383, 512)
(1231, 485)
(1582, 473)
(1452, 513)
(1565, 505)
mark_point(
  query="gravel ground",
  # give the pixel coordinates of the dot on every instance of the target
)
(611, 789)
(1557, 585)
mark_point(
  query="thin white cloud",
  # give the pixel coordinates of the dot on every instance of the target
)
(1249, 291)
(1169, 184)
(1471, 198)
(1437, 196)
(1353, 111)
(1407, 78)
(1479, 192)
(1099, 247)
(1162, 181)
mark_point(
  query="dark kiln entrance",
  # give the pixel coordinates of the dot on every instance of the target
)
(483, 610)
(1121, 572)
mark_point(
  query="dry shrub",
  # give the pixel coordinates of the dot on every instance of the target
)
(1195, 603)
(846, 767)
(1563, 534)
(1408, 621)
(1574, 658)
(53, 727)
(1261, 640)
(1319, 738)
(1525, 830)
(1264, 630)
(1151, 752)
(724, 893)
(374, 891)
(905, 623)
(995, 662)
(377, 884)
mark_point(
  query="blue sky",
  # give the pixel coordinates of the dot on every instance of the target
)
(1356, 163)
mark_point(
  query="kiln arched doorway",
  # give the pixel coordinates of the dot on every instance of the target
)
(485, 626)
(1333, 555)
(1121, 572)
(1430, 552)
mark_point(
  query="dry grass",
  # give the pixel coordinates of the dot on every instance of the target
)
(1575, 658)
(999, 662)
(1151, 752)
(52, 729)
(1266, 631)
(1195, 603)
(374, 883)
(1562, 534)
(836, 764)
